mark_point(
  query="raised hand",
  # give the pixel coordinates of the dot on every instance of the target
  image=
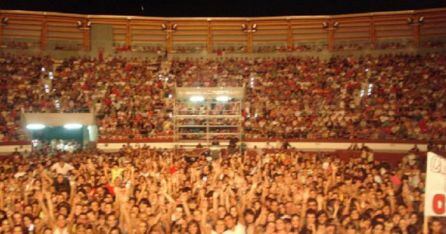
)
(183, 198)
(204, 205)
(215, 194)
(320, 199)
(306, 194)
(39, 195)
(336, 205)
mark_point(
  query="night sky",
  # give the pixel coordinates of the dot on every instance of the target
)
(218, 8)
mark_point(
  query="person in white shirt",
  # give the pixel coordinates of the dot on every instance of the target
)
(61, 167)
(21, 172)
(232, 227)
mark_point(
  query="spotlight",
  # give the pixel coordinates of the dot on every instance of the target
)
(324, 24)
(254, 27)
(35, 126)
(336, 24)
(223, 98)
(409, 20)
(421, 20)
(243, 27)
(163, 26)
(5, 20)
(196, 98)
(174, 27)
(81, 25)
(72, 126)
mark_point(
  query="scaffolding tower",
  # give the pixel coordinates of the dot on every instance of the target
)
(210, 117)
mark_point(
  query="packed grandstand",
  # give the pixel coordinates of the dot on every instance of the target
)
(394, 97)
(388, 92)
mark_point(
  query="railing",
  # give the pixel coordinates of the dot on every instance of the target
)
(228, 34)
(326, 145)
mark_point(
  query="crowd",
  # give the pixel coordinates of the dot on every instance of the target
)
(229, 49)
(68, 47)
(21, 45)
(386, 97)
(143, 190)
(189, 49)
(139, 48)
(128, 96)
(307, 47)
(51, 147)
(214, 108)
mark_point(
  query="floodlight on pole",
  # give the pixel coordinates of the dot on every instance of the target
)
(324, 24)
(336, 24)
(5, 21)
(83, 25)
(249, 28)
(421, 20)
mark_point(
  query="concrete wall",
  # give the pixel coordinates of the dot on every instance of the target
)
(8, 149)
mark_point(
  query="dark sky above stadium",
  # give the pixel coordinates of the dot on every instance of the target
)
(218, 8)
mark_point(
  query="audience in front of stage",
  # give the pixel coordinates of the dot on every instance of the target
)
(145, 190)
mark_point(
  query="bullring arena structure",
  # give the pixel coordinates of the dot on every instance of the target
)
(284, 124)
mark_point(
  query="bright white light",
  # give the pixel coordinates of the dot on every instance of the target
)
(170, 95)
(51, 75)
(35, 142)
(57, 104)
(223, 98)
(369, 91)
(47, 88)
(196, 99)
(361, 94)
(251, 83)
(43, 69)
(72, 126)
(35, 126)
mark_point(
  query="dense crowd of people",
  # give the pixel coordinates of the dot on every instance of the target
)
(143, 190)
(386, 97)
(127, 97)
